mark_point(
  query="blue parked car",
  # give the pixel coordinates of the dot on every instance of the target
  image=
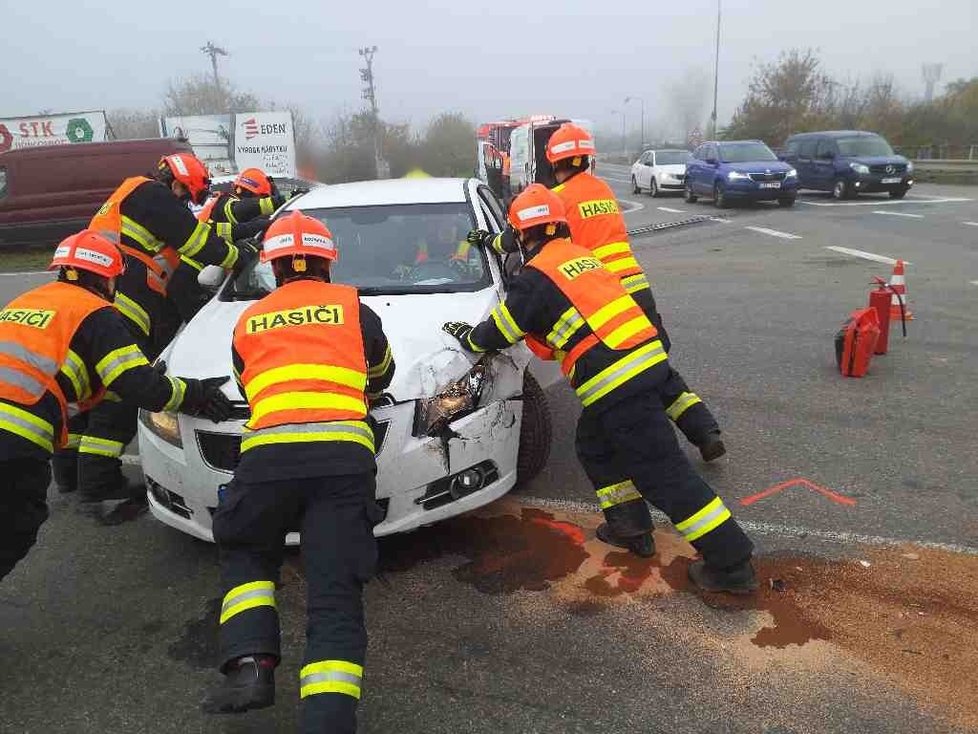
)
(848, 162)
(743, 170)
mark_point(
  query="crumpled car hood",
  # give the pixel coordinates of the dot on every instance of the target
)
(427, 358)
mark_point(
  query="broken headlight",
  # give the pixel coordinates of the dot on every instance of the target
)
(457, 400)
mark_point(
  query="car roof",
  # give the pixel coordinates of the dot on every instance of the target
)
(838, 134)
(387, 192)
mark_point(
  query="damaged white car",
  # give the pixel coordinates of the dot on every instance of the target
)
(454, 431)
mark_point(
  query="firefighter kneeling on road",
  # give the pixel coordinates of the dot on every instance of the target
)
(62, 346)
(308, 357)
(616, 362)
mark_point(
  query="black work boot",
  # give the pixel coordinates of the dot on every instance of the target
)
(115, 505)
(737, 580)
(712, 447)
(641, 545)
(248, 684)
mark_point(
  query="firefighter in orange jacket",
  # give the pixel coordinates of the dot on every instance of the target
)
(150, 221)
(62, 346)
(596, 223)
(615, 360)
(308, 357)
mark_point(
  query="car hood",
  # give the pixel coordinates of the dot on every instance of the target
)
(427, 359)
(674, 168)
(758, 167)
(877, 160)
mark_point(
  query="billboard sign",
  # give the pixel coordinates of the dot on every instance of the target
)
(265, 140)
(59, 129)
(208, 135)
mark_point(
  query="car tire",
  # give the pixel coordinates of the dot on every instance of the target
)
(635, 186)
(690, 196)
(841, 189)
(899, 193)
(787, 202)
(653, 188)
(719, 196)
(536, 431)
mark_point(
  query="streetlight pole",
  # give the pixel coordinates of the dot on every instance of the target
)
(370, 94)
(716, 79)
(642, 100)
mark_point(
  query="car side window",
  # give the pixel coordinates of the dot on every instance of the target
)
(651, 160)
(711, 152)
(3, 181)
(826, 149)
(806, 147)
(791, 147)
(491, 209)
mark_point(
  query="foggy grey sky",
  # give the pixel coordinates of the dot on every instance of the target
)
(487, 60)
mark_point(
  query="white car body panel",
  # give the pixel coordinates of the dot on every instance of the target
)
(427, 361)
(667, 177)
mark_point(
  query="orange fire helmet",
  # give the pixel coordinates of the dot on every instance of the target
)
(535, 206)
(569, 141)
(88, 250)
(191, 172)
(255, 181)
(297, 236)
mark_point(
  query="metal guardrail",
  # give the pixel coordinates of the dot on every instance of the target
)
(660, 226)
(946, 164)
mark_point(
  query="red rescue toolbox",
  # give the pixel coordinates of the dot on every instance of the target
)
(856, 342)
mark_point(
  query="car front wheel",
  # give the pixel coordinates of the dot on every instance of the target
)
(841, 189)
(690, 196)
(635, 187)
(653, 188)
(719, 196)
(536, 431)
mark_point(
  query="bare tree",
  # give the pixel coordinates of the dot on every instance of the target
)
(199, 95)
(127, 124)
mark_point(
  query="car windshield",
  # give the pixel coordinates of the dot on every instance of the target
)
(870, 145)
(671, 157)
(745, 153)
(391, 250)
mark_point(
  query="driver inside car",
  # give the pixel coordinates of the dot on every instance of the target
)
(443, 243)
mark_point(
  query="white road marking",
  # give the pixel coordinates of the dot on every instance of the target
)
(670, 210)
(866, 255)
(974, 282)
(26, 272)
(769, 528)
(633, 206)
(898, 214)
(775, 233)
(971, 224)
(720, 219)
(892, 202)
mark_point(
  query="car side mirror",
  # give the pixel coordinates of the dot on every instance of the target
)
(211, 276)
(712, 161)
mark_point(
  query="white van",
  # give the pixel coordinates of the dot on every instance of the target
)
(528, 151)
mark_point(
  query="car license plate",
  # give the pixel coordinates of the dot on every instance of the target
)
(891, 180)
(770, 185)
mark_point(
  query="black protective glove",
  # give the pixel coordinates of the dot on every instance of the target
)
(460, 330)
(247, 253)
(205, 398)
(502, 243)
(480, 237)
(252, 228)
(299, 192)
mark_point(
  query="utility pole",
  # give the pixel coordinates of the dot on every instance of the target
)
(642, 100)
(370, 94)
(716, 79)
(214, 51)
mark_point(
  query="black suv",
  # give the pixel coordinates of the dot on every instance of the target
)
(848, 162)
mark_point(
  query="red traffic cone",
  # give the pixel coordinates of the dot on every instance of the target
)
(898, 285)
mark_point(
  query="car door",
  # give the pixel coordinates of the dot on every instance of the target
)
(823, 164)
(707, 170)
(804, 162)
(693, 167)
(649, 169)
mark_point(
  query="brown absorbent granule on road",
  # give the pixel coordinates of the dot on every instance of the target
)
(910, 613)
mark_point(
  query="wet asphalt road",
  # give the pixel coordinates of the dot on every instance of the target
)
(113, 629)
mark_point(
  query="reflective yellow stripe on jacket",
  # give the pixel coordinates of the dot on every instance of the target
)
(353, 431)
(27, 425)
(113, 364)
(621, 371)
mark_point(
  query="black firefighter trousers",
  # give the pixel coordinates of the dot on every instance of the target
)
(630, 453)
(23, 507)
(684, 407)
(335, 516)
